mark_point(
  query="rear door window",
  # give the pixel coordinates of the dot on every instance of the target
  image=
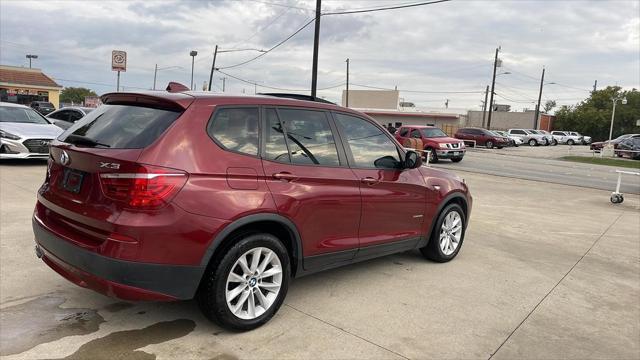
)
(404, 132)
(275, 147)
(236, 129)
(309, 137)
(123, 126)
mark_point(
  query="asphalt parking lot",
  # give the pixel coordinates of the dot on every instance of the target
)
(547, 271)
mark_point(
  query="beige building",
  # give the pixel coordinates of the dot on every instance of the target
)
(503, 120)
(371, 99)
(24, 85)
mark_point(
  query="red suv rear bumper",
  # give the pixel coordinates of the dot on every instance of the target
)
(123, 279)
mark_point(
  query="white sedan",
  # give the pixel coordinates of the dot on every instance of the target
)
(24, 133)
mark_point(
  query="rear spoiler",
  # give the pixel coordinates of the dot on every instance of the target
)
(157, 99)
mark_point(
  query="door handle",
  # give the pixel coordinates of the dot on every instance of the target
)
(285, 176)
(369, 180)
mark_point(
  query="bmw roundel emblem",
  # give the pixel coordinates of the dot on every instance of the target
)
(64, 158)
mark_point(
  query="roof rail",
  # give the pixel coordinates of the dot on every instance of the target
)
(298, 97)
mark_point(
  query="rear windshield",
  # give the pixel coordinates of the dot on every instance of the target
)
(123, 126)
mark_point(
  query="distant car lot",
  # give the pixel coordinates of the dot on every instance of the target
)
(518, 286)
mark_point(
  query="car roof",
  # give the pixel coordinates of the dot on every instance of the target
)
(8, 104)
(211, 98)
(420, 126)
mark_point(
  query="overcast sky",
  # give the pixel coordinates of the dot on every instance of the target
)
(440, 48)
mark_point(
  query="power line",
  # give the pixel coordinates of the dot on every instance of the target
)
(419, 91)
(274, 87)
(272, 48)
(282, 5)
(512, 100)
(385, 8)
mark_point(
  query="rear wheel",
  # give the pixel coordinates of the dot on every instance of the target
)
(570, 142)
(533, 142)
(447, 236)
(244, 287)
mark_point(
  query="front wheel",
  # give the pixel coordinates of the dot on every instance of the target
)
(447, 235)
(570, 142)
(533, 142)
(489, 145)
(245, 286)
(433, 157)
(456, 160)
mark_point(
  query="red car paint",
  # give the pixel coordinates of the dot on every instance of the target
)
(211, 189)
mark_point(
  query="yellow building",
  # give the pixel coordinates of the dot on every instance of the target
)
(23, 85)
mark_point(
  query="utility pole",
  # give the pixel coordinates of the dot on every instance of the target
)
(224, 80)
(347, 96)
(316, 40)
(484, 106)
(213, 67)
(595, 86)
(193, 55)
(493, 86)
(535, 120)
(155, 73)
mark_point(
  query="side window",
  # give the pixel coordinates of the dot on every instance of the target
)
(404, 132)
(275, 145)
(370, 147)
(518, 132)
(309, 137)
(60, 115)
(415, 133)
(236, 129)
(74, 116)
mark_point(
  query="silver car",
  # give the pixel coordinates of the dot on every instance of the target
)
(565, 137)
(529, 137)
(24, 133)
(586, 140)
(67, 116)
(550, 139)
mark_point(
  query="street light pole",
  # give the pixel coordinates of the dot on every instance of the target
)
(347, 95)
(31, 56)
(484, 105)
(193, 54)
(316, 40)
(613, 113)
(493, 86)
(224, 80)
(535, 120)
(155, 74)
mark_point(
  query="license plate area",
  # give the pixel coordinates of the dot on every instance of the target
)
(72, 180)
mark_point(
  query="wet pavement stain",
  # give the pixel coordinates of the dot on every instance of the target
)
(41, 320)
(119, 306)
(123, 344)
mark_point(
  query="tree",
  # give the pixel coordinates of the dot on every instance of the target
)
(550, 104)
(593, 115)
(75, 95)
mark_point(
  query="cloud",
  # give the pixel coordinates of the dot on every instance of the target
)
(444, 47)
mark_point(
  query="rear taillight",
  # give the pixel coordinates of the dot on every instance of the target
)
(149, 187)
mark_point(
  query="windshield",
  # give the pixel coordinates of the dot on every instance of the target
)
(497, 133)
(432, 132)
(10, 114)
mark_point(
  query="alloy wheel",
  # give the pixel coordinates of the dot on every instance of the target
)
(450, 233)
(253, 283)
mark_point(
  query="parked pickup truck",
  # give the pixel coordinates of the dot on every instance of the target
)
(434, 140)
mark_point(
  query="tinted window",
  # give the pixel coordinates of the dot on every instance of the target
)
(74, 115)
(519, 132)
(21, 115)
(309, 137)
(60, 115)
(123, 126)
(433, 133)
(415, 134)
(236, 129)
(370, 147)
(275, 146)
(404, 132)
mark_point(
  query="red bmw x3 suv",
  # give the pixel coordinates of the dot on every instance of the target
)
(175, 195)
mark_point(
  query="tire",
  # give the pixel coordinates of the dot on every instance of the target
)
(488, 145)
(456, 160)
(433, 251)
(217, 283)
(554, 142)
(433, 157)
(570, 142)
(533, 142)
(499, 147)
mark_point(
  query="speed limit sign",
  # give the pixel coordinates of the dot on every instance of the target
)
(118, 60)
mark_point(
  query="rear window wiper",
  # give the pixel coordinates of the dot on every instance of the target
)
(84, 140)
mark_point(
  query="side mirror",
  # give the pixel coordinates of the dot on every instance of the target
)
(412, 160)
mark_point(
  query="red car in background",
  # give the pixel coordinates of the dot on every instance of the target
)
(440, 145)
(483, 137)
